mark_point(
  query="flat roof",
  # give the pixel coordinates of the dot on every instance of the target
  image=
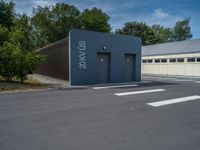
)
(180, 47)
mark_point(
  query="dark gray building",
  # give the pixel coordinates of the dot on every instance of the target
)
(93, 57)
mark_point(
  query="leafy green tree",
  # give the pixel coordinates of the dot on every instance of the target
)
(138, 29)
(95, 20)
(182, 30)
(42, 25)
(54, 23)
(17, 55)
(162, 34)
(65, 17)
(22, 33)
(4, 32)
(7, 15)
(26, 59)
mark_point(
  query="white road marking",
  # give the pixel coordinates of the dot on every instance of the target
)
(146, 82)
(182, 80)
(173, 101)
(166, 78)
(197, 82)
(139, 92)
(114, 86)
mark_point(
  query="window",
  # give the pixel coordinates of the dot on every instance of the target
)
(150, 60)
(180, 59)
(198, 59)
(191, 59)
(163, 60)
(144, 61)
(172, 60)
(157, 60)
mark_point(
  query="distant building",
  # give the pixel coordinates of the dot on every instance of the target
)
(175, 58)
(88, 57)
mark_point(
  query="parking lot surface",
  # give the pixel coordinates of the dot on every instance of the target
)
(158, 114)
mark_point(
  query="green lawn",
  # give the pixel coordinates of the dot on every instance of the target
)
(16, 85)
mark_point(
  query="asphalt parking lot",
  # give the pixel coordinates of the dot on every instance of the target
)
(158, 114)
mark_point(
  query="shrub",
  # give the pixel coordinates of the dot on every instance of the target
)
(16, 63)
(8, 54)
(26, 63)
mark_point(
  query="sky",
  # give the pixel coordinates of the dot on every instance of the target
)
(163, 12)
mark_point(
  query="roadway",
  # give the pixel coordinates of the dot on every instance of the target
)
(159, 114)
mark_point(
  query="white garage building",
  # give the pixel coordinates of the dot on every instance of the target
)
(175, 58)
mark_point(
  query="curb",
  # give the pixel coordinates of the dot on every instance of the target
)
(26, 91)
(61, 87)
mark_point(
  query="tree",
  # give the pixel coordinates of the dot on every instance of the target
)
(7, 18)
(7, 15)
(4, 32)
(41, 25)
(162, 34)
(26, 59)
(139, 29)
(17, 53)
(54, 23)
(65, 17)
(21, 33)
(95, 20)
(182, 30)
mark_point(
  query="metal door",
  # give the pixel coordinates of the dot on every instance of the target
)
(103, 67)
(129, 67)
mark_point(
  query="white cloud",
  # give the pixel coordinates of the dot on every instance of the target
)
(160, 17)
(160, 14)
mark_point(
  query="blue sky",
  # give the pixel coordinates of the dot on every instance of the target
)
(164, 12)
